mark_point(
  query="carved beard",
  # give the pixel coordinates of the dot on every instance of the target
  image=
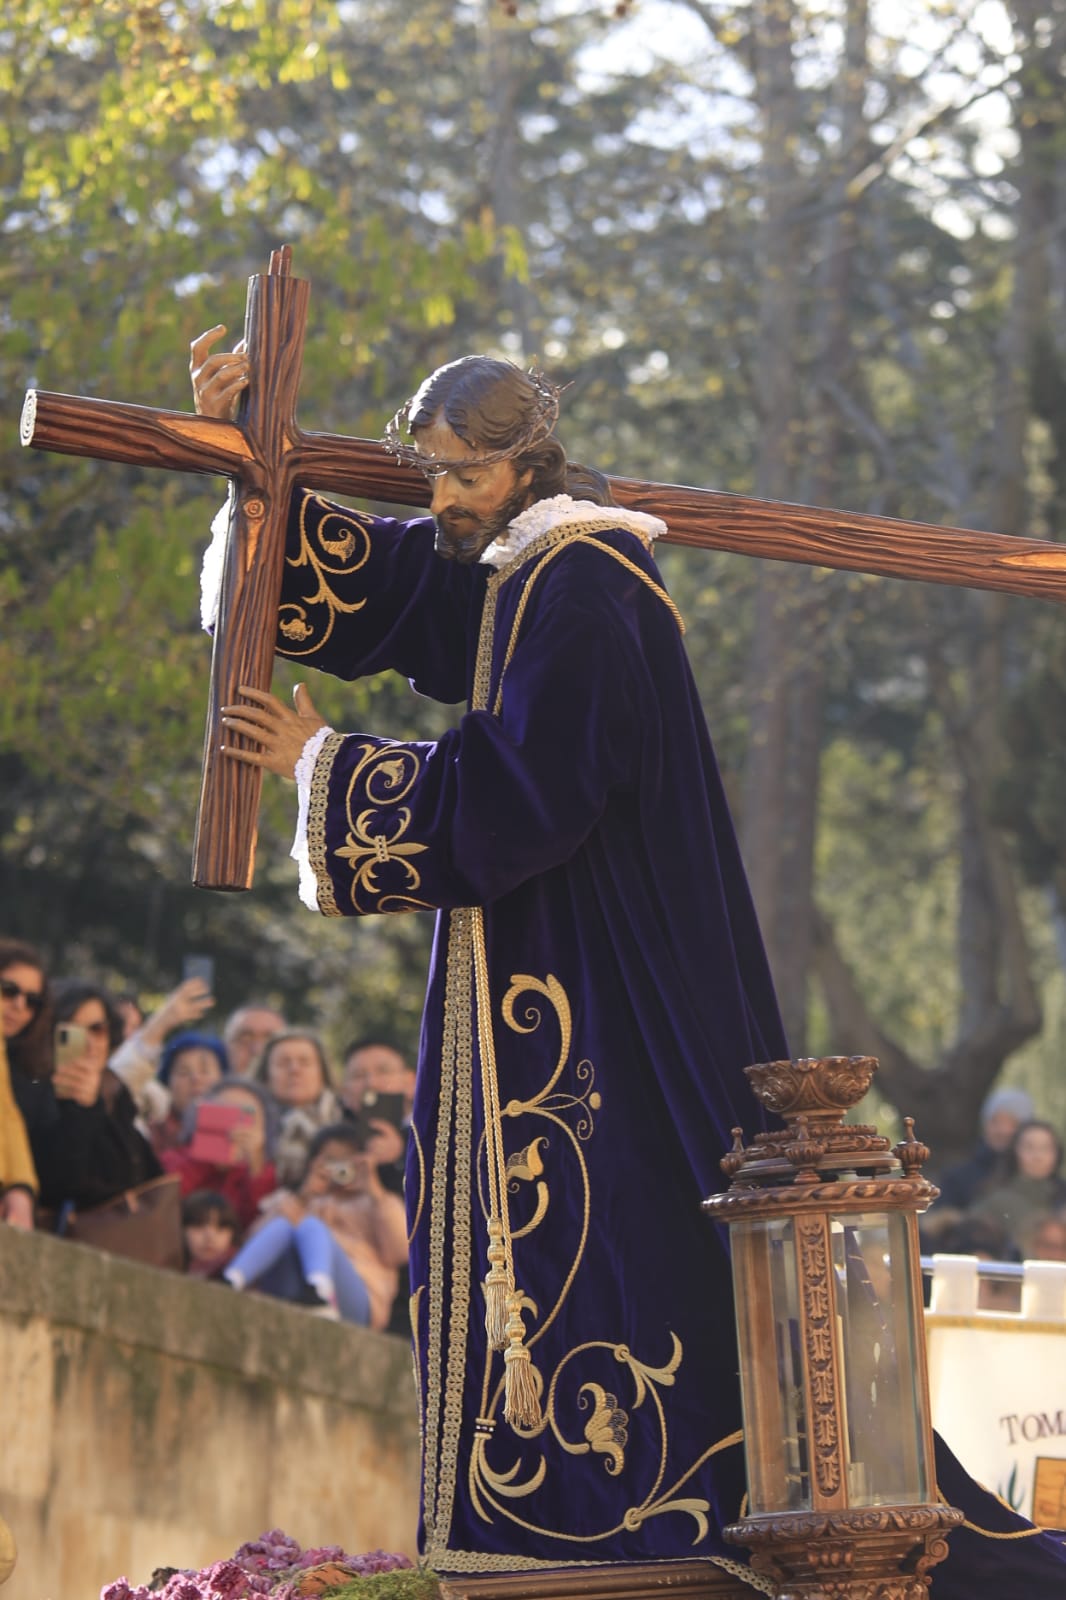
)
(462, 535)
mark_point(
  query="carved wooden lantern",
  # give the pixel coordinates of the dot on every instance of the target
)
(842, 1497)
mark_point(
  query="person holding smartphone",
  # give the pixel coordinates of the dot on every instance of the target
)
(229, 1147)
(191, 1065)
(91, 1150)
(334, 1240)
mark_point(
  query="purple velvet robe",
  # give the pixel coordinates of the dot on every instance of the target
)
(578, 804)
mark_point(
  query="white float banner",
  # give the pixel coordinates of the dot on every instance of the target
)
(997, 1383)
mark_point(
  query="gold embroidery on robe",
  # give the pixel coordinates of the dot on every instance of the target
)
(338, 547)
(377, 834)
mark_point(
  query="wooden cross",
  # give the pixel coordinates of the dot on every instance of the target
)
(265, 454)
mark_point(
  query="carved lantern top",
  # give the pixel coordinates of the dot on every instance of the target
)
(816, 1146)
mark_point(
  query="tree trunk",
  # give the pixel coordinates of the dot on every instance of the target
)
(765, 817)
(789, 655)
(1000, 1007)
(503, 179)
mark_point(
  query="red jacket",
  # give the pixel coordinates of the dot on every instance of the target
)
(240, 1188)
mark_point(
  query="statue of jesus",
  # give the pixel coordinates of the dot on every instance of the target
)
(597, 986)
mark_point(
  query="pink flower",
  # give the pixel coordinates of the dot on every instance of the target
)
(271, 1552)
(226, 1580)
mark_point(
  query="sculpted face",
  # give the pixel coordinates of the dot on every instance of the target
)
(472, 505)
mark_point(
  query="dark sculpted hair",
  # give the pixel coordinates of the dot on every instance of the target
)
(30, 1051)
(504, 414)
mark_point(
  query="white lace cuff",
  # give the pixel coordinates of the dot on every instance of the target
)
(305, 771)
(211, 571)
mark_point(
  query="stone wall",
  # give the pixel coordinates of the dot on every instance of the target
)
(148, 1419)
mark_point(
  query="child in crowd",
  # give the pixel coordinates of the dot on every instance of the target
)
(336, 1242)
(211, 1229)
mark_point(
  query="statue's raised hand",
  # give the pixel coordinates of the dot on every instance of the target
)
(218, 380)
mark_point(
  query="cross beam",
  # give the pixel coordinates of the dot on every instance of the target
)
(265, 454)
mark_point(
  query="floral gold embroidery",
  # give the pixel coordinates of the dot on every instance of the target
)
(296, 629)
(336, 548)
(365, 850)
(607, 1428)
(525, 1163)
(376, 838)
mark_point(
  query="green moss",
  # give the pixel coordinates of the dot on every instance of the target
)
(405, 1585)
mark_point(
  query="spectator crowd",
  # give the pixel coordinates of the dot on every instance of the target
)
(244, 1157)
(240, 1156)
(1007, 1200)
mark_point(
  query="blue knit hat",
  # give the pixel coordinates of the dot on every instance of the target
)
(191, 1041)
(1015, 1101)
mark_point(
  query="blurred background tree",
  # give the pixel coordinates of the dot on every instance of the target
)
(811, 249)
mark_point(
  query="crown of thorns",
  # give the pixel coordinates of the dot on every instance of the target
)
(398, 438)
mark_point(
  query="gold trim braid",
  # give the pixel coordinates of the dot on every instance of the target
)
(317, 806)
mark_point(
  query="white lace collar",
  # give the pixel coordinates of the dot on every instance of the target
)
(544, 515)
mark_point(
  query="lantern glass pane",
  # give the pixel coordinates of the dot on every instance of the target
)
(771, 1369)
(879, 1324)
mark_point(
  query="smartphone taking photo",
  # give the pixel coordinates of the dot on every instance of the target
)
(212, 1133)
(202, 967)
(71, 1041)
(377, 1108)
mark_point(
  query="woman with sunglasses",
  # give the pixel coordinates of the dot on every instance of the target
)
(26, 1033)
(25, 1010)
(92, 1150)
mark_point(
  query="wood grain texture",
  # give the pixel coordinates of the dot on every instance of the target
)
(651, 1580)
(140, 436)
(246, 627)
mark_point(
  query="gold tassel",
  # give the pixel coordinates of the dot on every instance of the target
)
(521, 1402)
(497, 1288)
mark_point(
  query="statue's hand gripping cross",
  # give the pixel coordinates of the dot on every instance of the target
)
(265, 454)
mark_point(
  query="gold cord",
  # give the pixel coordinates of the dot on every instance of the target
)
(989, 1533)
